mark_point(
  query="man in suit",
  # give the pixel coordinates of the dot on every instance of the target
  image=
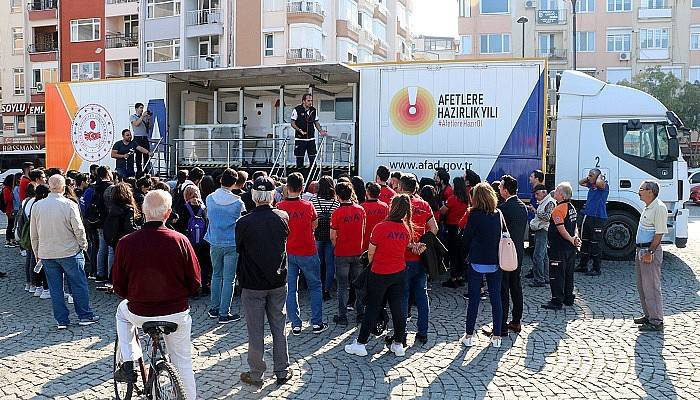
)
(515, 215)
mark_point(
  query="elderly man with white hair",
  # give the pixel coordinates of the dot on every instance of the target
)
(58, 240)
(261, 239)
(156, 282)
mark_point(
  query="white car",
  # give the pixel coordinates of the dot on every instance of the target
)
(7, 172)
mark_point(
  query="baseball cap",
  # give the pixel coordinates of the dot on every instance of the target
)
(264, 184)
(537, 188)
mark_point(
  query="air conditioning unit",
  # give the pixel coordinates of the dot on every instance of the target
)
(529, 4)
(625, 56)
(40, 87)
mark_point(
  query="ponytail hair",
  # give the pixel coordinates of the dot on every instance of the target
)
(400, 211)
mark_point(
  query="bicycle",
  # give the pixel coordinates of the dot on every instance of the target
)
(160, 379)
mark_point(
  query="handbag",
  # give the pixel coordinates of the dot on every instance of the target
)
(507, 254)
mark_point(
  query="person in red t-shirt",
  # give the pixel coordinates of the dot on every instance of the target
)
(454, 209)
(416, 278)
(302, 255)
(375, 210)
(386, 192)
(25, 180)
(442, 184)
(387, 251)
(347, 231)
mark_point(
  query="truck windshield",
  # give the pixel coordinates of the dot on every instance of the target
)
(650, 142)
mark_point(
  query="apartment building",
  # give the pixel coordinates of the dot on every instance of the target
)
(201, 34)
(614, 40)
(427, 48)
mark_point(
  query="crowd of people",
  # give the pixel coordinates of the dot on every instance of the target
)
(374, 246)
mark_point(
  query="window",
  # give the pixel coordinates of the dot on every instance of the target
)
(83, 30)
(359, 20)
(327, 106)
(654, 4)
(619, 5)
(548, 5)
(17, 40)
(269, 44)
(85, 71)
(651, 142)
(208, 45)
(131, 25)
(163, 50)
(16, 6)
(131, 67)
(466, 44)
(18, 75)
(694, 77)
(21, 124)
(618, 42)
(343, 109)
(694, 39)
(617, 75)
(585, 6)
(352, 58)
(465, 8)
(44, 76)
(495, 6)
(656, 38)
(495, 43)
(274, 5)
(695, 4)
(585, 41)
(675, 71)
(40, 123)
(162, 8)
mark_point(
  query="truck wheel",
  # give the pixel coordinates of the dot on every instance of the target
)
(618, 236)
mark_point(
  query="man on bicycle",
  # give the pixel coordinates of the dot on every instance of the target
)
(156, 288)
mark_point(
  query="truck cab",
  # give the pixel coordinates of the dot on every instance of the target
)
(631, 137)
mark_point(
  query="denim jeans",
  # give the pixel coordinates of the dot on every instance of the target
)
(74, 270)
(347, 269)
(416, 283)
(224, 260)
(325, 254)
(493, 280)
(310, 266)
(540, 268)
(105, 256)
(126, 172)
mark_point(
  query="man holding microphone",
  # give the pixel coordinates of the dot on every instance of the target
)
(140, 121)
(123, 151)
(305, 122)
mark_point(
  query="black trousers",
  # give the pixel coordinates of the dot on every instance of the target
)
(561, 276)
(454, 252)
(388, 287)
(591, 238)
(93, 246)
(140, 158)
(10, 230)
(302, 147)
(511, 288)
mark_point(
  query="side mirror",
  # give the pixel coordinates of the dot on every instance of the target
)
(673, 148)
(634, 125)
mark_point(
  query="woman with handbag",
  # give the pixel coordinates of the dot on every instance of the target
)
(481, 239)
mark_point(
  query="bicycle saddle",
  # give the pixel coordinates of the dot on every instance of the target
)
(163, 327)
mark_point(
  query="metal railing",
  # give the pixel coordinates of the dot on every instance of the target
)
(117, 40)
(42, 47)
(306, 6)
(203, 17)
(201, 62)
(305, 54)
(121, 1)
(552, 54)
(39, 5)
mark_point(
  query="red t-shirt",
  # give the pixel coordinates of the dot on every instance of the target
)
(463, 221)
(375, 212)
(421, 214)
(391, 239)
(455, 210)
(348, 221)
(23, 183)
(301, 235)
(447, 192)
(385, 194)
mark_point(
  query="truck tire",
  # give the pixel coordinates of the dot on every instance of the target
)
(619, 236)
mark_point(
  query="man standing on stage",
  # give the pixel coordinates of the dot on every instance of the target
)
(304, 123)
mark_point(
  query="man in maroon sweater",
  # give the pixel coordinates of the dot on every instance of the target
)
(156, 282)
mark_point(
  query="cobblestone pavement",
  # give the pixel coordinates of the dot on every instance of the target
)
(591, 350)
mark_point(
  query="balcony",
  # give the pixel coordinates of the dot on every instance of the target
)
(42, 9)
(37, 93)
(551, 17)
(309, 12)
(655, 13)
(381, 49)
(553, 55)
(366, 38)
(43, 51)
(400, 30)
(201, 62)
(348, 29)
(116, 8)
(304, 55)
(121, 46)
(204, 22)
(381, 13)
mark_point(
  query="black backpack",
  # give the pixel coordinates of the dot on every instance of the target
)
(323, 230)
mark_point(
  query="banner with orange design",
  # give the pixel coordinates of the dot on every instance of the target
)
(85, 119)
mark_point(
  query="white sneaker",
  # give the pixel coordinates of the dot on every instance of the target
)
(32, 288)
(46, 294)
(38, 291)
(26, 287)
(23, 253)
(468, 341)
(398, 349)
(65, 295)
(356, 348)
(70, 299)
(496, 342)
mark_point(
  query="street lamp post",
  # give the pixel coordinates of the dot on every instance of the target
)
(522, 21)
(573, 3)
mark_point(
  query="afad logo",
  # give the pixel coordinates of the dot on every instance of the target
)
(412, 110)
(92, 132)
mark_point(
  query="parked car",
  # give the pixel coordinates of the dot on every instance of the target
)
(695, 194)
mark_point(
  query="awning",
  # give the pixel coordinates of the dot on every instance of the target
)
(293, 74)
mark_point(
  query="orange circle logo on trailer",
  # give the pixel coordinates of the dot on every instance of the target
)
(412, 110)
(92, 132)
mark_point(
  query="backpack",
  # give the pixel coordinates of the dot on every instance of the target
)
(196, 226)
(179, 196)
(3, 203)
(110, 229)
(21, 220)
(25, 239)
(323, 230)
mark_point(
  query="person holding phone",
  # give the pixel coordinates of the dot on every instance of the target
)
(123, 151)
(140, 122)
(594, 216)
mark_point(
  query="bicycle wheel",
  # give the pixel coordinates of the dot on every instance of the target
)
(167, 384)
(122, 390)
